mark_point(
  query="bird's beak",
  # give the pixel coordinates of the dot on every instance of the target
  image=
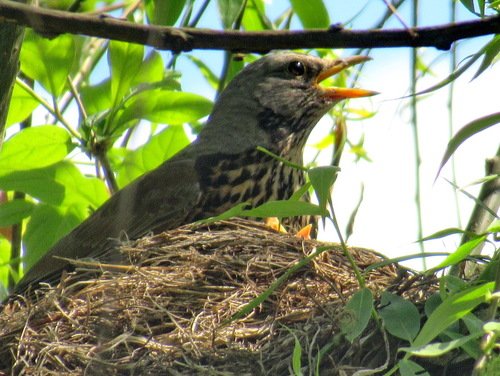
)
(336, 66)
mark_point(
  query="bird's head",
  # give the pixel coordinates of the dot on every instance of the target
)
(279, 98)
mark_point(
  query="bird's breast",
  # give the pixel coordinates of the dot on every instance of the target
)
(252, 176)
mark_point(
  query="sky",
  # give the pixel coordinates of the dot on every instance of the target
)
(387, 220)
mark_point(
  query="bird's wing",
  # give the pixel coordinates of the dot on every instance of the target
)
(161, 199)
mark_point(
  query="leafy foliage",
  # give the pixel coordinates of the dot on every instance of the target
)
(95, 98)
(358, 311)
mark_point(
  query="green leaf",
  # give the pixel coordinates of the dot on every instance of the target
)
(357, 313)
(451, 284)
(467, 131)
(490, 271)
(461, 253)
(235, 211)
(322, 179)
(410, 368)
(255, 18)
(312, 13)
(297, 358)
(285, 208)
(471, 348)
(206, 72)
(47, 225)
(229, 11)
(155, 151)
(473, 323)
(401, 317)
(35, 147)
(469, 5)
(12, 212)
(125, 60)
(492, 327)
(59, 184)
(235, 67)
(299, 193)
(396, 260)
(443, 233)
(21, 105)
(96, 98)
(5, 269)
(151, 70)
(326, 142)
(494, 227)
(432, 303)
(48, 61)
(165, 107)
(457, 73)
(165, 13)
(439, 348)
(490, 53)
(453, 308)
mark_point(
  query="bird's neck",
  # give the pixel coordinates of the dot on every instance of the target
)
(234, 129)
(231, 130)
(288, 136)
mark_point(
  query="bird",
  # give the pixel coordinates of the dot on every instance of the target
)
(273, 103)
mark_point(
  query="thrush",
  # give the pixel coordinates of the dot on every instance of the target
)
(274, 103)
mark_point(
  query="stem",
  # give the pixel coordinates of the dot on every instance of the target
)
(347, 254)
(388, 14)
(281, 159)
(198, 15)
(74, 92)
(228, 54)
(53, 111)
(17, 235)
(414, 124)
(17, 228)
(451, 89)
(109, 176)
(393, 10)
(192, 24)
(96, 48)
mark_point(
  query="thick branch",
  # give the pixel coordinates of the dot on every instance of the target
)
(10, 44)
(50, 22)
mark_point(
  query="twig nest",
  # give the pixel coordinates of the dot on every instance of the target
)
(170, 309)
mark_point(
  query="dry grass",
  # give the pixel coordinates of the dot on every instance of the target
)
(169, 310)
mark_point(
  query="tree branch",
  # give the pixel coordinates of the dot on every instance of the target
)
(11, 37)
(52, 22)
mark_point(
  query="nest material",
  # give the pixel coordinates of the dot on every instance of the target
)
(169, 311)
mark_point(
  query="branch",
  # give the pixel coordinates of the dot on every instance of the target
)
(52, 22)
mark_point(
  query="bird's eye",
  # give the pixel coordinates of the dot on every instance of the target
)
(296, 68)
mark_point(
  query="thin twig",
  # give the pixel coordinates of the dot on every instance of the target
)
(451, 91)
(77, 98)
(392, 8)
(416, 137)
(96, 48)
(54, 112)
(227, 56)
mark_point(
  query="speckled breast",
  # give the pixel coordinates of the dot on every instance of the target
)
(253, 177)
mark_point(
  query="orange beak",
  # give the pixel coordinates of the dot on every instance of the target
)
(336, 66)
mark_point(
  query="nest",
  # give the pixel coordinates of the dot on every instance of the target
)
(172, 309)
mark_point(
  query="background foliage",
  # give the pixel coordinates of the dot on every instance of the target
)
(87, 116)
